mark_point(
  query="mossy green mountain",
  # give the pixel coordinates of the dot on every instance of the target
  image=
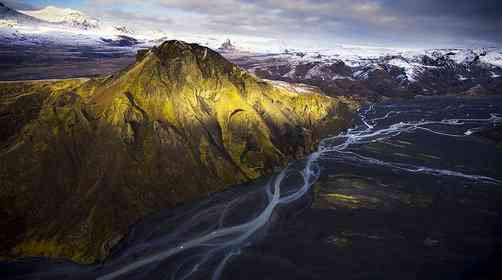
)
(81, 160)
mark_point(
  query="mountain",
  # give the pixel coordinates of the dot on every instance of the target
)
(227, 46)
(62, 27)
(70, 17)
(81, 160)
(383, 73)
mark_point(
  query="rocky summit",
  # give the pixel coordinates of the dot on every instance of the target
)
(81, 160)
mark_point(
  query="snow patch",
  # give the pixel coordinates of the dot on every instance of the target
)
(63, 15)
(494, 75)
(410, 69)
(340, 77)
(492, 57)
(462, 78)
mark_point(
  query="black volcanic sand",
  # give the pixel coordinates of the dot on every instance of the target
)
(362, 229)
(368, 222)
(493, 133)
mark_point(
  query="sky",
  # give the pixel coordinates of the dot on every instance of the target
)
(388, 23)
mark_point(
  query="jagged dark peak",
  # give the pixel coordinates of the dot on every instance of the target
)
(2, 5)
(227, 46)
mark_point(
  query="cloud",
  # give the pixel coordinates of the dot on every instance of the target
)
(323, 22)
(131, 17)
(19, 4)
(304, 19)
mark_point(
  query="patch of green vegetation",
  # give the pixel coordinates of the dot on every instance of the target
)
(427, 156)
(94, 156)
(338, 241)
(404, 142)
(343, 198)
(403, 155)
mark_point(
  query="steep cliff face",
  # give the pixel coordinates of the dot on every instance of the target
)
(82, 160)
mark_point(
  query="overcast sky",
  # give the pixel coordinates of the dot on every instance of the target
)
(393, 23)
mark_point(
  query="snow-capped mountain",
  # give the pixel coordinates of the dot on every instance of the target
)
(66, 16)
(61, 26)
(378, 72)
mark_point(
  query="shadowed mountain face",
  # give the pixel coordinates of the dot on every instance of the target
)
(81, 160)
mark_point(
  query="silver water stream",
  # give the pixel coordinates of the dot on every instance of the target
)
(205, 241)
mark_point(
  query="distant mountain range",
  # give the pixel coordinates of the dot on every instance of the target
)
(340, 70)
(384, 73)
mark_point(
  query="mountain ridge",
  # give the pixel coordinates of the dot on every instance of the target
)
(180, 123)
(400, 74)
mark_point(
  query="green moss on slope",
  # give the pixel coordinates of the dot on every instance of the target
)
(91, 157)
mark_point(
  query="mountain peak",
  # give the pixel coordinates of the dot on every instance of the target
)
(181, 55)
(174, 49)
(72, 17)
(227, 46)
(173, 64)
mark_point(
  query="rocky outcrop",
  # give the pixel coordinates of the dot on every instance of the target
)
(80, 161)
(492, 133)
(227, 46)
